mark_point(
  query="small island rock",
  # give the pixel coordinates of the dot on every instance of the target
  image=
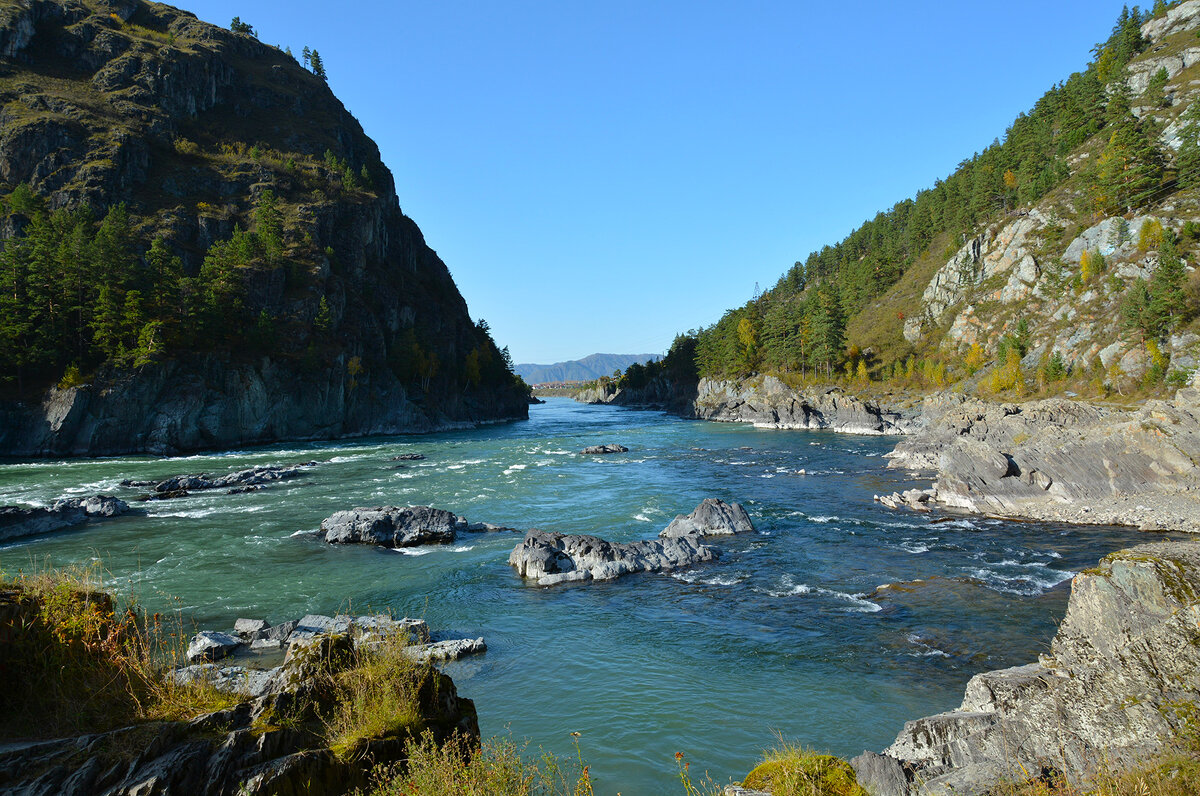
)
(606, 448)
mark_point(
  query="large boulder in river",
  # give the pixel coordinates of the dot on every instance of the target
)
(712, 517)
(392, 526)
(551, 558)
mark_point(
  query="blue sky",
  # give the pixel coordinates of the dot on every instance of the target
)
(599, 176)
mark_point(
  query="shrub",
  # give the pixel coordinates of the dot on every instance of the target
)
(792, 771)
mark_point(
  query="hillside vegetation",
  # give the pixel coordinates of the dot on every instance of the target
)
(172, 190)
(1057, 258)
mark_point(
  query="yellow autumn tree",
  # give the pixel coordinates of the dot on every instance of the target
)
(974, 359)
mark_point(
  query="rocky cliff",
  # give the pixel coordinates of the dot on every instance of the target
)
(764, 401)
(194, 128)
(1118, 685)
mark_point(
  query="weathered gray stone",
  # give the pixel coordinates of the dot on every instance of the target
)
(391, 526)
(449, 650)
(712, 517)
(553, 558)
(1052, 459)
(767, 402)
(210, 645)
(880, 775)
(251, 629)
(17, 522)
(1125, 658)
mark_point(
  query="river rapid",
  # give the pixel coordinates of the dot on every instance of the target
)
(788, 635)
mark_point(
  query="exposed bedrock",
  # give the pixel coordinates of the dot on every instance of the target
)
(1119, 682)
(1063, 460)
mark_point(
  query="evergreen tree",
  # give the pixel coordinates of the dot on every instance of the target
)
(318, 66)
(828, 330)
(1187, 164)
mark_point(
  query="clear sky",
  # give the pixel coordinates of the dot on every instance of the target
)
(601, 175)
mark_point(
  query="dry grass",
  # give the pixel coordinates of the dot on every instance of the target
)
(1176, 774)
(498, 768)
(72, 661)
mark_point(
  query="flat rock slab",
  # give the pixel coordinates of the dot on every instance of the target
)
(393, 526)
(450, 650)
(712, 517)
(606, 448)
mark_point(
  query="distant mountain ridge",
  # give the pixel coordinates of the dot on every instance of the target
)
(590, 367)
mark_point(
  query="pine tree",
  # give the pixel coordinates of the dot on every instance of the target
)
(318, 66)
(828, 329)
(1187, 164)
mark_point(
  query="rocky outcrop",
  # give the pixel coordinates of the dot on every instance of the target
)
(1063, 460)
(607, 447)
(272, 742)
(189, 124)
(1117, 686)
(551, 558)
(661, 392)
(400, 526)
(391, 526)
(712, 517)
(767, 402)
(16, 522)
(252, 477)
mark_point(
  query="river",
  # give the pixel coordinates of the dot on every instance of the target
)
(785, 636)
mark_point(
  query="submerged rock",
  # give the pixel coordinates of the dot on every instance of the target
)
(712, 517)
(17, 522)
(393, 526)
(608, 447)
(408, 457)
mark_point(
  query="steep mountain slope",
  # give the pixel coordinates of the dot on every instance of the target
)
(203, 248)
(590, 367)
(1059, 258)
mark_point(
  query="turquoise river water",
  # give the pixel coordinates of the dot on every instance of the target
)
(787, 635)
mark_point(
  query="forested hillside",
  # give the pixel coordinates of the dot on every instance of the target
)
(1118, 139)
(177, 194)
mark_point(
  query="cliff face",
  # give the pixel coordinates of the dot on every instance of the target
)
(191, 126)
(1118, 685)
(764, 401)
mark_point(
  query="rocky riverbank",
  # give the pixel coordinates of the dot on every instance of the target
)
(1118, 686)
(1061, 460)
(347, 696)
(764, 401)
